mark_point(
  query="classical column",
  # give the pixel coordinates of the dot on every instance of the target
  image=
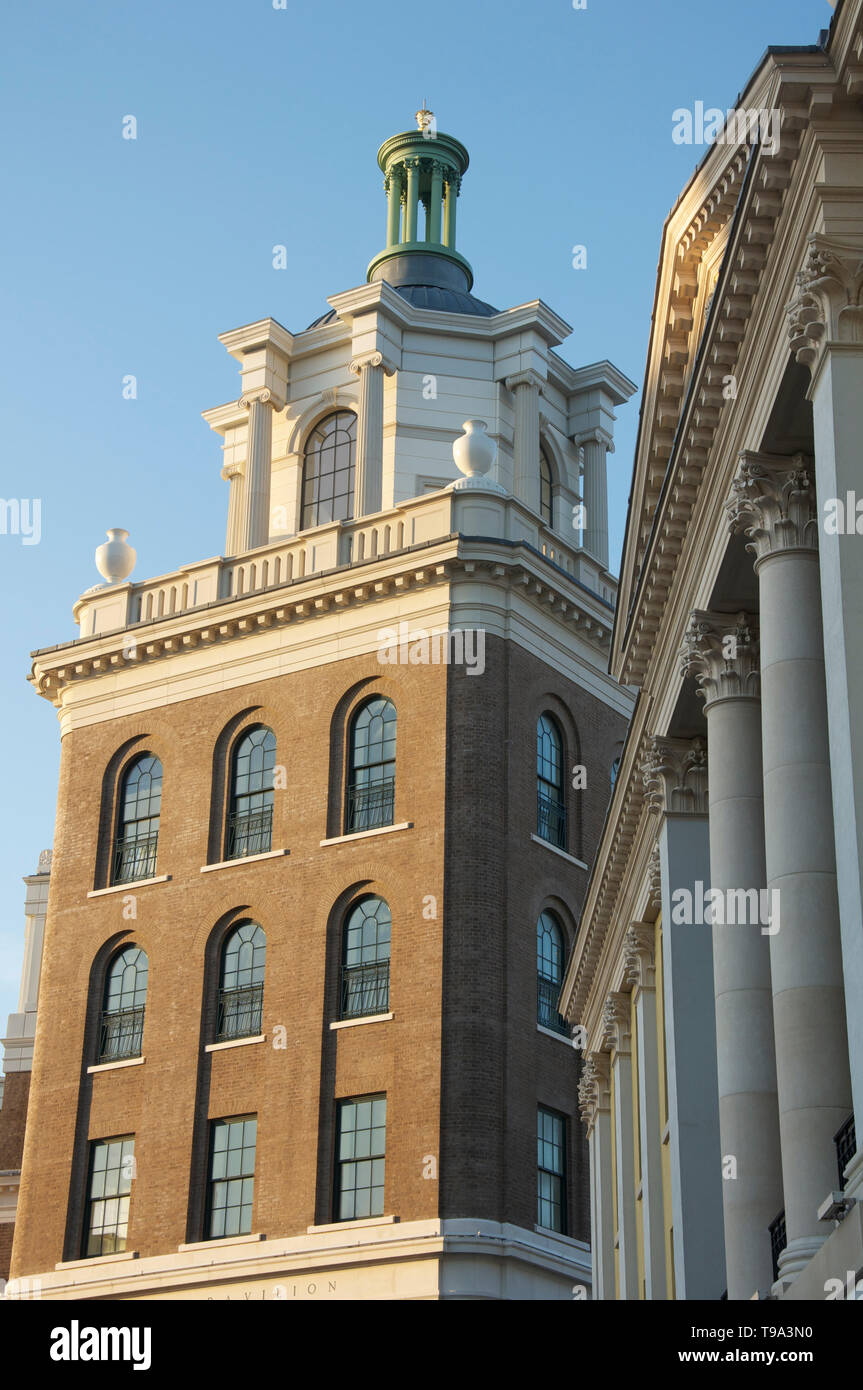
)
(773, 501)
(452, 187)
(638, 955)
(393, 185)
(254, 526)
(675, 784)
(526, 387)
(826, 331)
(412, 203)
(596, 444)
(595, 1107)
(721, 652)
(616, 1037)
(368, 477)
(234, 474)
(435, 202)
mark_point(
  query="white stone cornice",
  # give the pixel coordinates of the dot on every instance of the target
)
(721, 651)
(773, 503)
(264, 333)
(675, 776)
(529, 377)
(594, 1088)
(638, 955)
(615, 1021)
(371, 359)
(828, 301)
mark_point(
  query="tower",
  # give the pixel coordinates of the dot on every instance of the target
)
(327, 804)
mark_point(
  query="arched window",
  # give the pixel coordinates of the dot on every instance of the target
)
(550, 805)
(250, 820)
(372, 770)
(328, 470)
(365, 983)
(545, 495)
(241, 982)
(549, 972)
(123, 1006)
(138, 821)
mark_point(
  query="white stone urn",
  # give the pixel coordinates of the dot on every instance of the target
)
(115, 560)
(474, 454)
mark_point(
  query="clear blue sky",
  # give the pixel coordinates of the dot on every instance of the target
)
(257, 127)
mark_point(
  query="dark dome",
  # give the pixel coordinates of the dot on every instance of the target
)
(431, 297)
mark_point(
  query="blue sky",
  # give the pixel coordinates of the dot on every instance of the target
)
(259, 126)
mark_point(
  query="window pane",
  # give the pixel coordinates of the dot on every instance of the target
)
(360, 1172)
(107, 1213)
(231, 1177)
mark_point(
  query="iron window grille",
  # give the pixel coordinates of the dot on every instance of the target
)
(778, 1240)
(371, 804)
(122, 1030)
(845, 1140)
(365, 989)
(122, 1034)
(240, 1012)
(134, 857)
(550, 818)
(250, 832)
(547, 995)
(134, 854)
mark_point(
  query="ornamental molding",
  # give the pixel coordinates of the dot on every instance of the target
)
(529, 377)
(232, 470)
(773, 503)
(638, 956)
(616, 1016)
(654, 880)
(371, 359)
(594, 1088)
(827, 305)
(594, 436)
(721, 651)
(674, 774)
(263, 397)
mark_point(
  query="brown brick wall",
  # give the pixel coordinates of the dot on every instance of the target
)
(13, 1118)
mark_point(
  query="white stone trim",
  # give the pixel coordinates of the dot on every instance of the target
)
(115, 1066)
(243, 859)
(550, 1033)
(364, 834)
(127, 887)
(235, 1042)
(579, 863)
(97, 1259)
(351, 1225)
(355, 1022)
(221, 1240)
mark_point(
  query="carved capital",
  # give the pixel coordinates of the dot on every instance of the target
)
(594, 1087)
(827, 305)
(615, 1021)
(263, 397)
(45, 857)
(721, 651)
(232, 470)
(654, 879)
(526, 378)
(371, 359)
(773, 503)
(638, 955)
(674, 771)
(595, 436)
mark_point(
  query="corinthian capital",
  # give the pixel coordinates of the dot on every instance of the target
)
(615, 1021)
(828, 301)
(773, 503)
(594, 1088)
(721, 652)
(638, 955)
(674, 771)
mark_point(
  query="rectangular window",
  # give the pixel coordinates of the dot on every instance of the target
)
(112, 1167)
(231, 1183)
(360, 1157)
(551, 1170)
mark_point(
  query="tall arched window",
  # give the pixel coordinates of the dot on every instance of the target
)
(241, 982)
(550, 805)
(328, 470)
(372, 769)
(365, 982)
(138, 821)
(549, 972)
(123, 1006)
(545, 494)
(250, 820)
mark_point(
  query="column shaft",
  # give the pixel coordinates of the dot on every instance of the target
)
(412, 204)
(627, 1238)
(394, 196)
(601, 1207)
(449, 215)
(526, 439)
(650, 1145)
(435, 204)
(596, 499)
(255, 525)
(368, 478)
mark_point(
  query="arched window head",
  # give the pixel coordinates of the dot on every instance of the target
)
(328, 470)
(138, 820)
(550, 805)
(250, 821)
(545, 493)
(123, 1006)
(241, 982)
(372, 768)
(549, 972)
(365, 982)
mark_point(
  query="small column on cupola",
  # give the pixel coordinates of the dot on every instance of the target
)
(422, 171)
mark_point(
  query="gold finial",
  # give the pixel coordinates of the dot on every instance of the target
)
(425, 117)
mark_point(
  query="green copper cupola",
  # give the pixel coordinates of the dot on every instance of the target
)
(422, 176)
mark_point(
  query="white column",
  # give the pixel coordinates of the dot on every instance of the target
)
(722, 653)
(254, 527)
(21, 1026)
(639, 961)
(234, 474)
(675, 781)
(596, 444)
(826, 330)
(773, 501)
(615, 1019)
(526, 387)
(594, 1103)
(368, 477)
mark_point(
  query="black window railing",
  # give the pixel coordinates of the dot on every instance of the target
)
(845, 1140)
(122, 1034)
(365, 989)
(134, 858)
(547, 996)
(550, 818)
(778, 1240)
(250, 832)
(371, 804)
(240, 1012)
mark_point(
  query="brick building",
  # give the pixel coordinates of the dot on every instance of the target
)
(326, 809)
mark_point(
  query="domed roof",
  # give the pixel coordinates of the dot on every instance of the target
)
(445, 301)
